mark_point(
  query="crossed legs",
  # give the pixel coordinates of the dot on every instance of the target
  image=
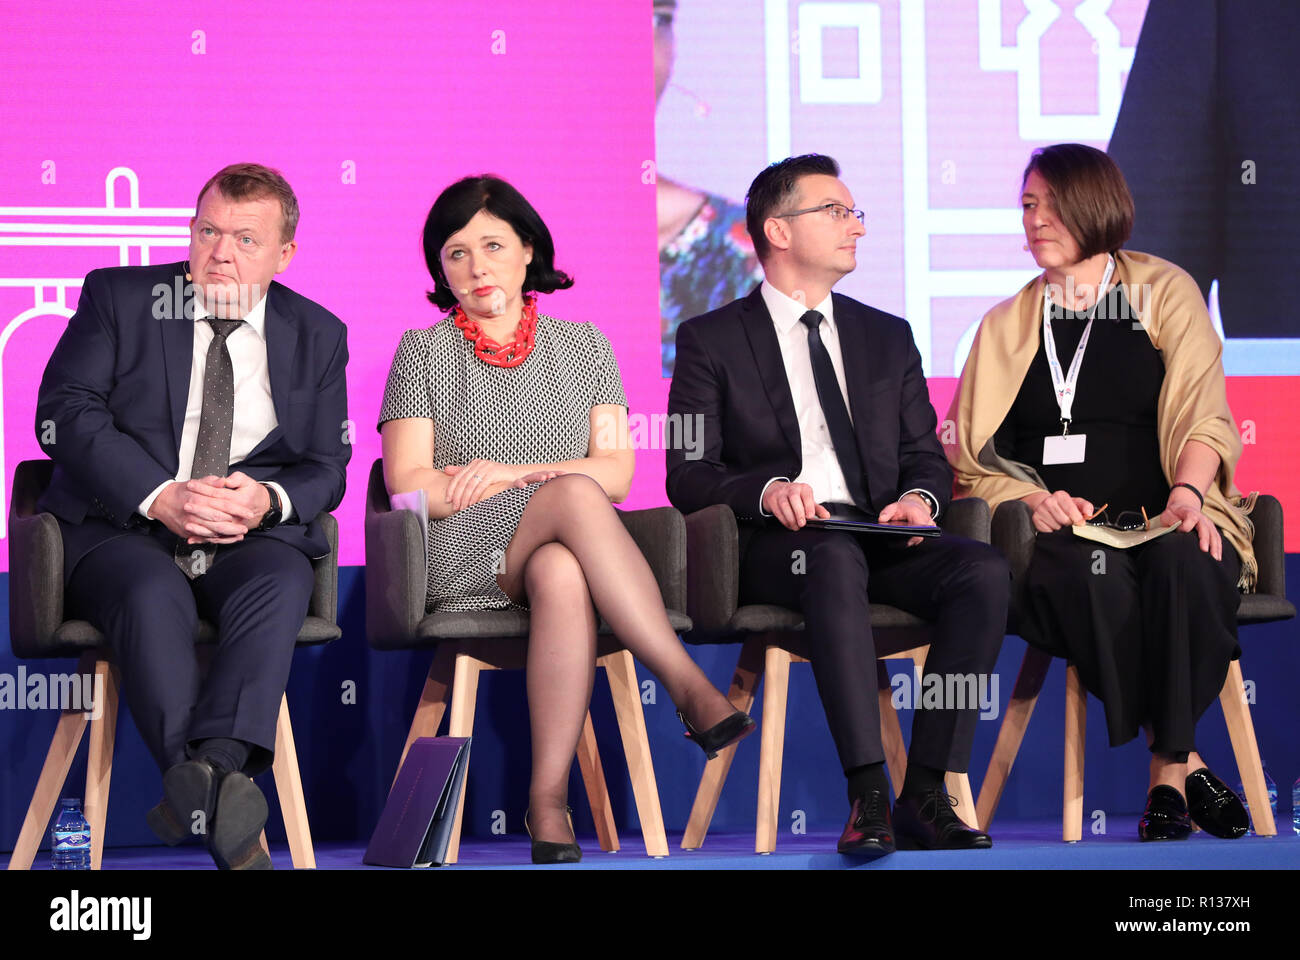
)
(570, 556)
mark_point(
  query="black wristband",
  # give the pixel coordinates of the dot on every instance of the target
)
(1199, 495)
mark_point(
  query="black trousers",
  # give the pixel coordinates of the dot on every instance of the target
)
(256, 593)
(1151, 629)
(959, 584)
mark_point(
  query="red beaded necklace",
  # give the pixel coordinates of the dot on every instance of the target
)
(511, 354)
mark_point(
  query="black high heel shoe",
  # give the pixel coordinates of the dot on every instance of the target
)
(721, 734)
(547, 851)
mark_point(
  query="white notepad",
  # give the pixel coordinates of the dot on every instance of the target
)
(1123, 539)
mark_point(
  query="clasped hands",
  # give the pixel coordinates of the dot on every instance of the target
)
(1052, 511)
(793, 505)
(480, 479)
(212, 509)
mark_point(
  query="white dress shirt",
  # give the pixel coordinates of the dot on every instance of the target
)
(254, 411)
(821, 468)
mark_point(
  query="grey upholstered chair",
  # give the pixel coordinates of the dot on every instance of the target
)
(469, 642)
(1013, 534)
(37, 628)
(771, 637)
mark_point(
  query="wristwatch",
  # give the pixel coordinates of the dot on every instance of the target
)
(274, 513)
(930, 502)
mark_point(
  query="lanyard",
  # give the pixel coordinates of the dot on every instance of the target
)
(1065, 385)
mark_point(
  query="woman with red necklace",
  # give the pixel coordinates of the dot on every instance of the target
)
(515, 425)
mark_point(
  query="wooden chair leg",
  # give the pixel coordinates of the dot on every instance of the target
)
(1076, 717)
(464, 698)
(99, 766)
(433, 700)
(749, 668)
(593, 776)
(626, 693)
(288, 787)
(54, 772)
(891, 733)
(1029, 683)
(1241, 731)
(776, 684)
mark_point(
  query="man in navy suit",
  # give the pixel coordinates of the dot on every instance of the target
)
(199, 413)
(814, 405)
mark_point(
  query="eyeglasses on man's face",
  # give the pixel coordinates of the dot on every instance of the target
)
(836, 211)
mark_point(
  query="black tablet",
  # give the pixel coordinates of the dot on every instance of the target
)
(868, 526)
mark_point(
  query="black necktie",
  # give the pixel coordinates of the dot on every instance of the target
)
(212, 450)
(836, 413)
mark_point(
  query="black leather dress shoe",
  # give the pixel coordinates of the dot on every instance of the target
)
(869, 832)
(235, 836)
(1213, 807)
(1165, 817)
(721, 734)
(189, 799)
(927, 821)
(226, 809)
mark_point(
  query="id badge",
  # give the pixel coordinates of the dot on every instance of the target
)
(1067, 449)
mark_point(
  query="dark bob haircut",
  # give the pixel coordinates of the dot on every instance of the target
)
(1089, 193)
(457, 205)
(775, 188)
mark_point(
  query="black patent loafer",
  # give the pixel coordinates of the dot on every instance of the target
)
(1213, 807)
(1166, 816)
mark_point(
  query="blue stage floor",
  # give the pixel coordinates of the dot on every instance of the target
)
(1017, 846)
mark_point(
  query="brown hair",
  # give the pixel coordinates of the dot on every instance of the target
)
(252, 181)
(1089, 194)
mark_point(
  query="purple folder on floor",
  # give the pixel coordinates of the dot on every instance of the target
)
(415, 828)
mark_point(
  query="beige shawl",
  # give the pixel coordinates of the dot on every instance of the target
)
(1193, 403)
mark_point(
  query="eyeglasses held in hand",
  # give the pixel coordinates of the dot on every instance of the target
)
(1128, 520)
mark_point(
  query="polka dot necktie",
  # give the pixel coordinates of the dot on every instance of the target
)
(835, 411)
(212, 451)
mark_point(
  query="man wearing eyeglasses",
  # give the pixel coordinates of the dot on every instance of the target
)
(814, 406)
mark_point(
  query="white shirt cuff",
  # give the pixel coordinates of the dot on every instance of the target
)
(929, 497)
(761, 511)
(147, 502)
(286, 505)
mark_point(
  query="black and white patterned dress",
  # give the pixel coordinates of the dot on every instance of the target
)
(537, 412)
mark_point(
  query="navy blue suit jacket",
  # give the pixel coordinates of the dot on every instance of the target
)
(115, 391)
(729, 371)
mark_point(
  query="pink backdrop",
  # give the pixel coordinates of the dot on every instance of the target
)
(408, 95)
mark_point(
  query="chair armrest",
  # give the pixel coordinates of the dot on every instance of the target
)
(660, 533)
(325, 593)
(968, 517)
(712, 567)
(397, 580)
(1267, 517)
(1014, 534)
(35, 584)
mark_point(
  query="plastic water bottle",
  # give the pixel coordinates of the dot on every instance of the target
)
(1295, 805)
(71, 837)
(1272, 800)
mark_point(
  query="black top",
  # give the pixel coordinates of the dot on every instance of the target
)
(1114, 405)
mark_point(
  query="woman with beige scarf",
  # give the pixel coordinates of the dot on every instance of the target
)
(1099, 389)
